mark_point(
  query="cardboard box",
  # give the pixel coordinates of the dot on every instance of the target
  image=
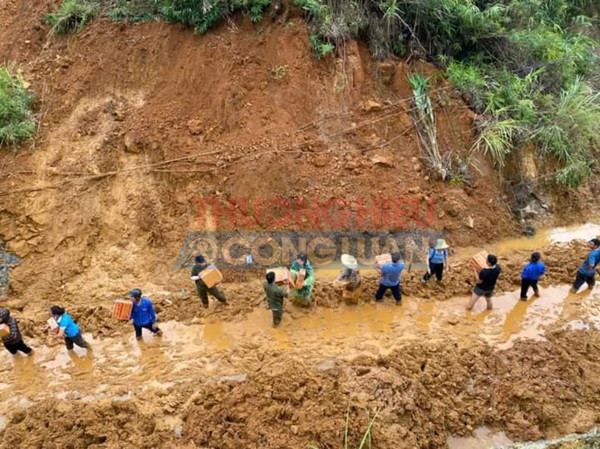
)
(300, 278)
(381, 260)
(52, 324)
(122, 309)
(211, 276)
(4, 330)
(282, 274)
(479, 260)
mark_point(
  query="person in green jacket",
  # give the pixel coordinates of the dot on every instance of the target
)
(301, 296)
(201, 288)
(275, 295)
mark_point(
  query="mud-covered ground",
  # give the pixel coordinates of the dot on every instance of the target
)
(101, 199)
(223, 378)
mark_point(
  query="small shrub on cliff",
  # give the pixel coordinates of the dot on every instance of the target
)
(72, 15)
(16, 119)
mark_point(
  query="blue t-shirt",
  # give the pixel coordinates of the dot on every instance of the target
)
(533, 270)
(436, 256)
(593, 259)
(143, 313)
(391, 274)
(69, 327)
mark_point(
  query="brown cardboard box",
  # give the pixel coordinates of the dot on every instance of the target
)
(122, 309)
(281, 274)
(4, 330)
(211, 276)
(479, 260)
(381, 260)
(300, 278)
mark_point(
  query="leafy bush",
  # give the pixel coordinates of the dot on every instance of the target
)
(320, 48)
(202, 15)
(132, 10)
(16, 119)
(525, 65)
(425, 124)
(72, 15)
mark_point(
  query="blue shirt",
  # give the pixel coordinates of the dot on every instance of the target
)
(436, 256)
(69, 327)
(143, 313)
(391, 274)
(533, 270)
(593, 259)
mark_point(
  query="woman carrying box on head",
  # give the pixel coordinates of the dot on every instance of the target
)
(201, 288)
(68, 329)
(303, 280)
(349, 280)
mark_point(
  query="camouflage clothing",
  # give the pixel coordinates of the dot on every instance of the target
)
(275, 295)
(302, 296)
(203, 290)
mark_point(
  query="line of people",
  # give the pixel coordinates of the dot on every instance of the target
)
(143, 314)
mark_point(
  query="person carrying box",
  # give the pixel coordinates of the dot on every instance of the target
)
(275, 296)
(68, 329)
(12, 340)
(201, 287)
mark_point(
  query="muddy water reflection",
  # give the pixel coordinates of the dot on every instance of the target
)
(482, 438)
(541, 239)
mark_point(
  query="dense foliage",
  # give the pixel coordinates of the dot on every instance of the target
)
(524, 65)
(16, 119)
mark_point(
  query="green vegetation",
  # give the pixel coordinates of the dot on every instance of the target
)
(199, 14)
(525, 66)
(366, 440)
(72, 15)
(279, 71)
(320, 47)
(425, 124)
(16, 119)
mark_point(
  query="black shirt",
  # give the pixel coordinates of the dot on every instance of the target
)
(488, 277)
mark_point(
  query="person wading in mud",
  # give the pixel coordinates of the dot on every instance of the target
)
(437, 259)
(587, 272)
(201, 288)
(349, 280)
(68, 329)
(275, 295)
(487, 282)
(143, 315)
(390, 278)
(13, 342)
(531, 274)
(301, 295)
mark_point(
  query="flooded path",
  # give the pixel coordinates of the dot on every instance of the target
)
(122, 368)
(321, 337)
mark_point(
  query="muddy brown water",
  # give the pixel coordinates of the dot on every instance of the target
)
(322, 337)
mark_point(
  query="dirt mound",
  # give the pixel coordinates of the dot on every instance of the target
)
(126, 146)
(54, 424)
(424, 391)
